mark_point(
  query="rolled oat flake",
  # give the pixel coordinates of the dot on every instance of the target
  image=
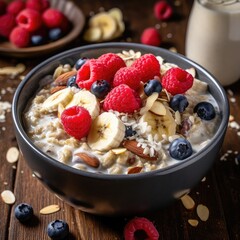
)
(8, 197)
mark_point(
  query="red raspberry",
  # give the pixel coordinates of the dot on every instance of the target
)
(148, 66)
(151, 36)
(177, 81)
(3, 7)
(122, 99)
(90, 72)
(38, 5)
(140, 224)
(163, 11)
(15, 7)
(76, 121)
(29, 19)
(129, 76)
(7, 23)
(20, 37)
(53, 18)
(113, 62)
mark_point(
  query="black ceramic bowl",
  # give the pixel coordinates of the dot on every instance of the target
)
(116, 194)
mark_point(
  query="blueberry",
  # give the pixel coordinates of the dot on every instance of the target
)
(179, 103)
(180, 149)
(23, 212)
(37, 40)
(71, 82)
(55, 34)
(80, 62)
(152, 86)
(58, 230)
(100, 88)
(129, 132)
(205, 110)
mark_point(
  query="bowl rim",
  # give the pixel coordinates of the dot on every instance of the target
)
(166, 170)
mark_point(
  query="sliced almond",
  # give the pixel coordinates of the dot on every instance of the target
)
(134, 170)
(89, 160)
(50, 209)
(149, 103)
(202, 212)
(188, 202)
(132, 146)
(158, 108)
(193, 222)
(118, 151)
(8, 197)
(56, 89)
(192, 71)
(12, 155)
(62, 79)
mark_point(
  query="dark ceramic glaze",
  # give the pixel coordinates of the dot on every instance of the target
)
(116, 194)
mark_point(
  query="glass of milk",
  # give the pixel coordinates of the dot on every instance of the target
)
(213, 38)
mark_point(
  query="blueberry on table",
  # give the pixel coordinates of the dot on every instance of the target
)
(71, 82)
(80, 62)
(100, 88)
(58, 230)
(179, 103)
(55, 34)
(23, 212)
(152, 86)
(205, 110)
(180, 149)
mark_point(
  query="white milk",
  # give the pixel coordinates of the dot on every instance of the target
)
(213, 38)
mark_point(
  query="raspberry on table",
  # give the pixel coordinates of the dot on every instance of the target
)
(122, 99)
(16, 7)
(20, 37)
(7, 23)
(138, 224)
(90, 72)
(129, 76)
(148, 66)
(177, 81)
(162, 10)
(76, 121)
(38, 5)
(113, 62)
(29, 19)
(150, 36)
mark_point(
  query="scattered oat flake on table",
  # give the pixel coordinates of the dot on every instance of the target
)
(193, 222)
(12, 155)
(203, 212)
(18, 69)
(8, 197)
(188, 202)
(50, 209)
(4, 107)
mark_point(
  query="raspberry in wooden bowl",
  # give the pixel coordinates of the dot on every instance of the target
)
(124, 128)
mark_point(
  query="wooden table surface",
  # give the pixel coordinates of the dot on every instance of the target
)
(220, 190)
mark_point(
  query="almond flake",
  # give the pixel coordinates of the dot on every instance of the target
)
(50, 209)
(8, 197)
(118, 151)
(202, 212)
(149, 103)
(193, 222)
(12, 155)
(192, 71)
(188, 202)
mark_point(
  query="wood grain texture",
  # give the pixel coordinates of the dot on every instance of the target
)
(220, 192)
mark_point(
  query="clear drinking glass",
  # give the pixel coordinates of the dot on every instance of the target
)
(213, 38)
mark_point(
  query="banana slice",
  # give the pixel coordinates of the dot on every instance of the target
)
(106, 22)
(63, 97)
(107, 132)
(87, 100)
(116, 13)
(160, 125)
(93, 34)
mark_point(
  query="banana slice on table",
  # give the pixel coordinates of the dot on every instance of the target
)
(116, 13)
(106, 22)
(63, 97)
(93, 34)
(87, 100)
(160, 125)
(107, 132)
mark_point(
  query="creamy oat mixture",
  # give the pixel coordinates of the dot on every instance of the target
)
(45, 129)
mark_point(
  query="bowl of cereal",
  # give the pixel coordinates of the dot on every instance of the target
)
(119, 128)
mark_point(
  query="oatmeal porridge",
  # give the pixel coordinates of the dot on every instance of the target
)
(122, 113)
